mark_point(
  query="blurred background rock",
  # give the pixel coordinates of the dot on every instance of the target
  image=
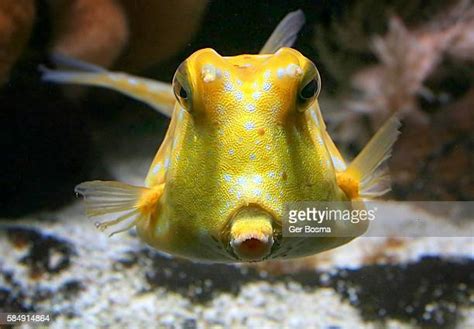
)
(376, 58)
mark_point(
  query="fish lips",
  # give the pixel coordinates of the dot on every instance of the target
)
(251, 234)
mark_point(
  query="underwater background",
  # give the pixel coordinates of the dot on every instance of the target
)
(375, 58)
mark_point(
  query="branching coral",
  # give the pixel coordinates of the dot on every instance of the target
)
(425, 74)
(407, 58)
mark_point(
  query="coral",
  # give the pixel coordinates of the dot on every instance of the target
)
(425, 75)
(343, 40)
(408, 58)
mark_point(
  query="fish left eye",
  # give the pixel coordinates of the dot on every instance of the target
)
(309, 90)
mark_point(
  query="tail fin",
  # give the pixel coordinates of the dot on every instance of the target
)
(158, 95)
(117, 207)
(367, 175)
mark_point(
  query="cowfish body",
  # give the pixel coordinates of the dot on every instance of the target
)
(246, 137)
(242, 139)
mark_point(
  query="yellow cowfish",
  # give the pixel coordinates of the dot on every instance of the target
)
(246, 137)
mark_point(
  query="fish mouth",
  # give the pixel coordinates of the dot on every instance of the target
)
(251, 234)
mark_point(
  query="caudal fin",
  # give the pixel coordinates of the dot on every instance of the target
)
(117, 207)
(367, 175)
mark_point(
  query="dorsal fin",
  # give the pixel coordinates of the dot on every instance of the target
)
(285, 33)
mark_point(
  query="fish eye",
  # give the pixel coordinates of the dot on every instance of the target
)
(181, 94)
(310, 90)
(179, 91)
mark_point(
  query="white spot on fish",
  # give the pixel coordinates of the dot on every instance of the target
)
(116, 77)
(271, 174)
(314, 117)
(268, 147)
(239, 96)
(231, 152)
(252, 156)
(227, 178)
(257, 192)
(250, 107)
(238, 82)
(181, 115)
(293, 70)
(208, 73)
(167, 162)
(280, 73)
(256, 95)
(151, 87)
(157, 168)
(267, 74)
(267, 86)
(228, 86)
(249, 125)
(257, 179)
(320, 140)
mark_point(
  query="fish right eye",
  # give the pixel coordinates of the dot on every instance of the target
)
(310, 89)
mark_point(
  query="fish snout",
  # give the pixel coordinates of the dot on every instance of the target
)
(251, 234)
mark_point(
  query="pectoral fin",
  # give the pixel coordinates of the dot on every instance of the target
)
(117, 207)
(158, 95)
(367, 175)
(285, 33)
